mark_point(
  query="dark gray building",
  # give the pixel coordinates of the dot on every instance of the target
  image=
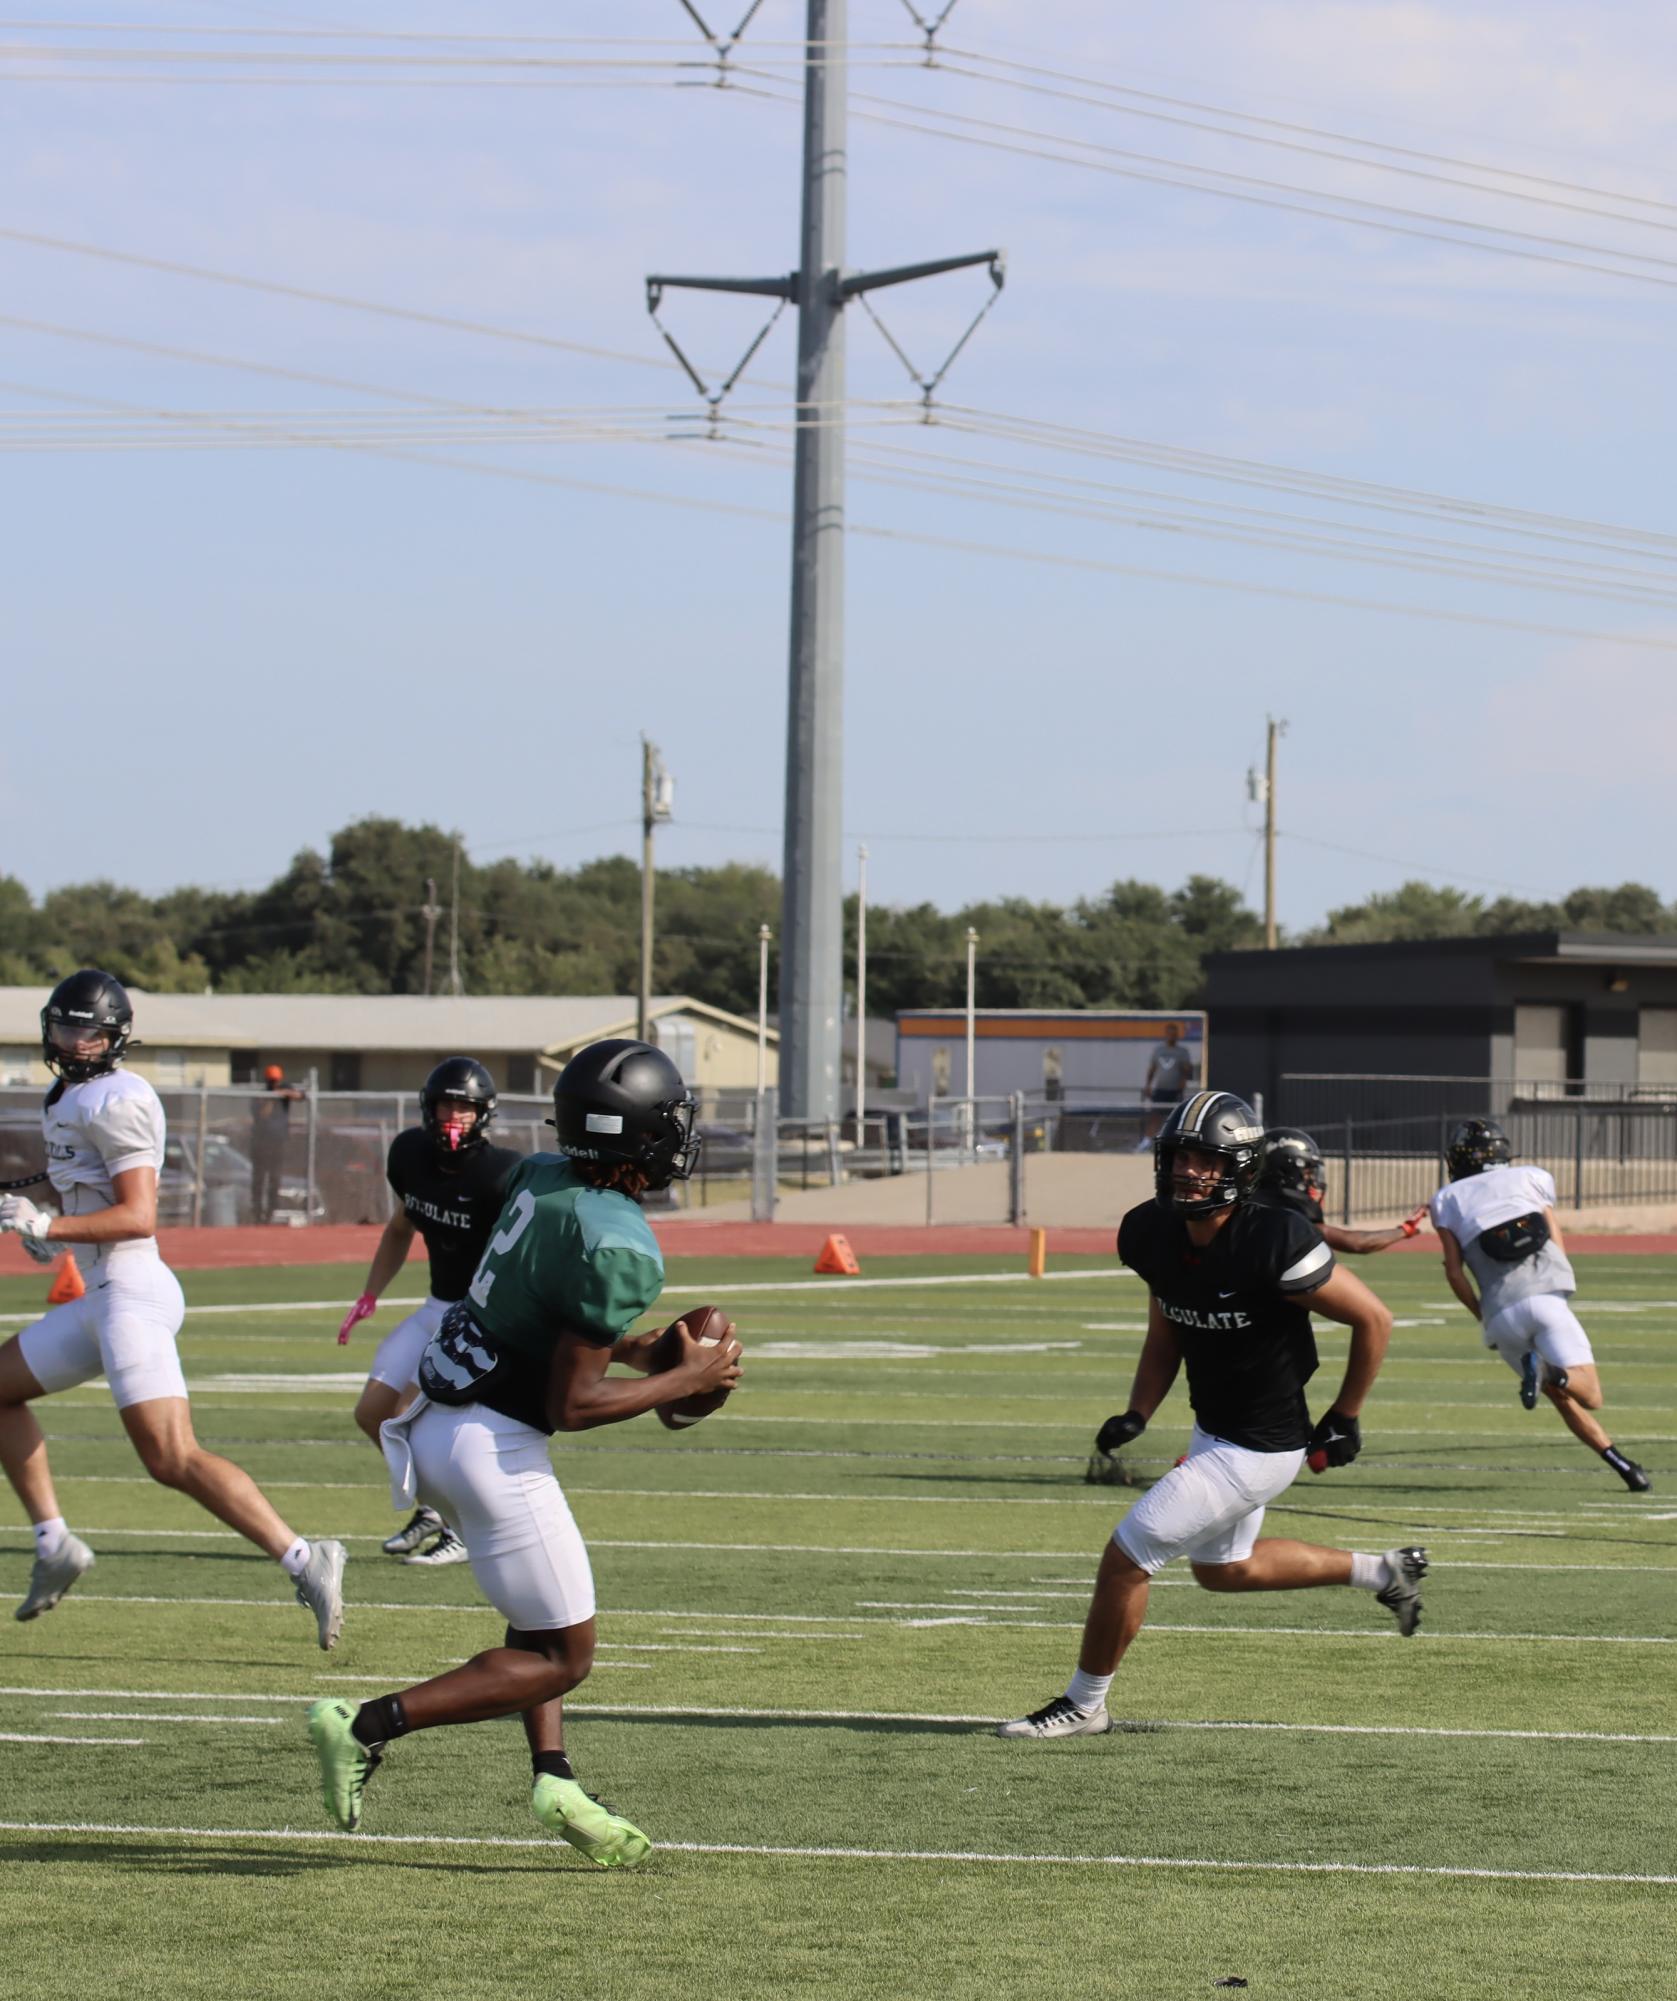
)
(1540, 1015)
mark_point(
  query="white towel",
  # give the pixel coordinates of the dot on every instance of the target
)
(397, 1447)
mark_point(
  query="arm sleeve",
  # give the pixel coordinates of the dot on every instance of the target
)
(129, 1133)
(1299, 1259)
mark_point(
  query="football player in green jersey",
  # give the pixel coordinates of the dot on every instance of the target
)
(572, 1265)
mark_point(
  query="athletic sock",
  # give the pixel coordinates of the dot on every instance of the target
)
(376, 1722)
(1088, 1691)
(1611, 1453)
(50, 1535)
(1369, 1573)
(296, 1559)
(551, 1765)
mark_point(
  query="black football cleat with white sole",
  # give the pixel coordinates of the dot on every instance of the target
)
(1402, 1596)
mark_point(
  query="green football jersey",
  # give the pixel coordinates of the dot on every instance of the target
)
(564, 1256)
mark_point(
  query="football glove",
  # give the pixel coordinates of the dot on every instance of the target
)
(1336, 1441)
(1117, 1432)
(367, 1303)
(1411, 1225)
(20, 1216)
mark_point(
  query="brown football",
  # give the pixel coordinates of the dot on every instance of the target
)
(706, 1325)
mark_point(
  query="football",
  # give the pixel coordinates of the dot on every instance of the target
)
(706, 1325)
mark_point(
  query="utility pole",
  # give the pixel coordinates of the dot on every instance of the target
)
(454, 982)
(1277, 730)
(812, 888)
(430, 910)
(657, 803)
(861, 987)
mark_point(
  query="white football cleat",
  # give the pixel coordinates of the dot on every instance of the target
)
(1059, 1718)
(53, 1575)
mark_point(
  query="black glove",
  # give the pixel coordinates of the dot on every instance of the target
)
(1117, 1432)
(1336, 1441)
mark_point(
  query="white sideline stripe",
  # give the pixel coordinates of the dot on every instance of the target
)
(79, 1598)
(825, 1716)
(848, 1854)
(25, 1737)
(874, 1549)
(150, 1716)
(829, 1285)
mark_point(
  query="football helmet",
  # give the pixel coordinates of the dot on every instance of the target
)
(625, 1101)
(88, 1001)
(1290, 1167)
(1474, 1145)
(1214, 1122)
(459, 1080)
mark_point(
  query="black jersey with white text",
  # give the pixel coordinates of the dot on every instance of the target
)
(1246, 1342)
(452, 1203)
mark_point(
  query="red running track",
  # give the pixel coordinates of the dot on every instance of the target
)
(353, 1243)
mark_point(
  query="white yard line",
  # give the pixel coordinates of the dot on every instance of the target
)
(791, 1852)
(89, 1598)
(153, 1716)
(23, 1737)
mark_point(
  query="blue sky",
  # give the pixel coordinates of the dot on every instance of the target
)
(242, 608)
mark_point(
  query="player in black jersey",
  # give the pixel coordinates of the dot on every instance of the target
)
(450, 1184)
(1233, 1284)
(1292, 1175)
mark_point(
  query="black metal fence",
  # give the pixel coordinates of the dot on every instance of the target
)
(1384, 1136)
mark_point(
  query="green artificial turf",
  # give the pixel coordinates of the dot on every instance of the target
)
(811, 1608)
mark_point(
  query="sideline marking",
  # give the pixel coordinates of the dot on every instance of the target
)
(1133, 1724)
(852, 1619)
(851, 1854)
(849, 1285)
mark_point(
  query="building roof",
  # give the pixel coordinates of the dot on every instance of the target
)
(1530, 948)
(549, 1023)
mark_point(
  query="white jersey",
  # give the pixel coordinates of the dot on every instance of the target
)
(1477, 1203)
(94, 1132)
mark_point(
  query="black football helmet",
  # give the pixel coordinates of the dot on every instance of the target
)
(86, 1001)
(625, 1101)
(1290, 1165)
(1474, 1145)
(1215, 1122)
(457, 1080)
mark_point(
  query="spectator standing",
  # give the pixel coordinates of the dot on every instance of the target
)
(270, 1129)
(1170, 1070)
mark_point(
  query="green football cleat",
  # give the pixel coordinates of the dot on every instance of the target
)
(592, 1829)
(345, 1762)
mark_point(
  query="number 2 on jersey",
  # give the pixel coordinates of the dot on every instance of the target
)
(523, 1208)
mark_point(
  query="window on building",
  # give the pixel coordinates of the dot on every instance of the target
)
(520, 1077)
(1656, 1048)
(346, 1070)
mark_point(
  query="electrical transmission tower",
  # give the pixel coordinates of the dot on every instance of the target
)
(812, 912)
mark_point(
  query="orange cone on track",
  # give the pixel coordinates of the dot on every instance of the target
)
(837, 1256)
(67, 1282)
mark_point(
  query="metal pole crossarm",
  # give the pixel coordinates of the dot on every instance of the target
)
(902, 274)
(766, 288)
(725, 44)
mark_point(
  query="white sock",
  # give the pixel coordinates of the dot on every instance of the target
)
(1088, 1691)
(50, 1535)
(296, 1559)
(1370, 1573)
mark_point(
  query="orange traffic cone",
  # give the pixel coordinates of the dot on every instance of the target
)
(837, 1256)
(67, 1282)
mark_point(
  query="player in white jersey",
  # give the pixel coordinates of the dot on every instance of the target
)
(104, 1140)
(1496, 1223)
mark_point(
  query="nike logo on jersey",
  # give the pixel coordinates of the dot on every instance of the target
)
(1227, 1295)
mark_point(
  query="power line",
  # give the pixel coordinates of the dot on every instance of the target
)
(1118, 94)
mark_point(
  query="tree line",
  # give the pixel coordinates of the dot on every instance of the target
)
(354, 920)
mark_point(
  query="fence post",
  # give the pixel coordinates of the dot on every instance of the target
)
(313, 1144)
(832, 1154)
(1016, 1163)
(931, 1125)
(1345, 1205)
(1578, 1158)
(765, 1164)
(203, 1131)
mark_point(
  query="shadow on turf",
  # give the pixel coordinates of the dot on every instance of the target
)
(210, 1860)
